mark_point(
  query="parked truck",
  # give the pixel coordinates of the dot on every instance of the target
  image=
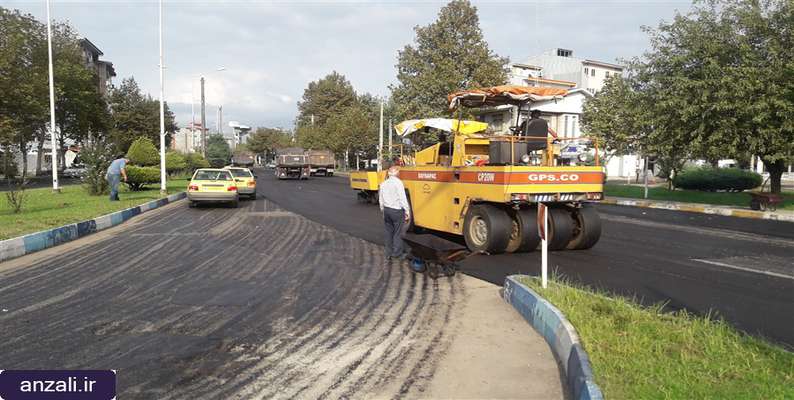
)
(321, 162)
(292, 163)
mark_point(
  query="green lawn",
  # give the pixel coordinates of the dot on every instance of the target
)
(44, 209)
(642, 353)
(690, 196)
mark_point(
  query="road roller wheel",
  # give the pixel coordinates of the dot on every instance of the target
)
(524, 235)
(487, 229)
(586, 229)
(560, 228)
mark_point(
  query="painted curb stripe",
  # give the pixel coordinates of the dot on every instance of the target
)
(19, 246)
(560, 335)
(703, 209)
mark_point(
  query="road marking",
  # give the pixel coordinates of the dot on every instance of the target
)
(721, 264)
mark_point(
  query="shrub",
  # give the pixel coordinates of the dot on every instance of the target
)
(196, 161)
(175, 162)
(143, 153)
(139, 177)
(96, 156)
(713, 179)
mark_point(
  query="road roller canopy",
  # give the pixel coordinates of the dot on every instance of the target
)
(448, 125)
(502, 95)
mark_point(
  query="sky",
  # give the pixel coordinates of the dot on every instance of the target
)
(271, 50)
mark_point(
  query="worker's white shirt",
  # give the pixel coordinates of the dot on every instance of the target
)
(392, 195)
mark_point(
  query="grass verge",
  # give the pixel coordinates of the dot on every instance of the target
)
(642, 353)
(690, 196)
(44, 209)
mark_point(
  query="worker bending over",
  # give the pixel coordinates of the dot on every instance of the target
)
(396, 212)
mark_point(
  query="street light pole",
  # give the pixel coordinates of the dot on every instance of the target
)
(162, 110)
(380, 140)
(203, 122)
(54, 150)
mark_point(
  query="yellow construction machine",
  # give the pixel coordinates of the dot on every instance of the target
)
(486, 187)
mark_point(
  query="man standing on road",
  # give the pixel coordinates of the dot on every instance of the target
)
(396, 211)
(116, 171)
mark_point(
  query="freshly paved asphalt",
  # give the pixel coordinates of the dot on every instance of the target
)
(741, 270)
(222, 303)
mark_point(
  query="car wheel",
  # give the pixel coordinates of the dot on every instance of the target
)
(191, 204)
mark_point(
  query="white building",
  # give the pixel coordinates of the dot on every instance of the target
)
(560, 64)
(187, 140)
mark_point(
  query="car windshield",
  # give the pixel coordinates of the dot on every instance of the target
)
(212, 176)
(241, 173)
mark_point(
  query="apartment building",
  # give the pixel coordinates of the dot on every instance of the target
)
(103, 69)
(560, 64)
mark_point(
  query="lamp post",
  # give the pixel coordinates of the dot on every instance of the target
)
(163, 190)
(55, 187)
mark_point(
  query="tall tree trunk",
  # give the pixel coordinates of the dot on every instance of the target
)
(40, 151)
(775, 170)
(23, 150)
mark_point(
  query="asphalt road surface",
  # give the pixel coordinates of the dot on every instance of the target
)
(259, 302)
(739, 269)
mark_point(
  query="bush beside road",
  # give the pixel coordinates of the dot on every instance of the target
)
(44, 210)
(642, 352)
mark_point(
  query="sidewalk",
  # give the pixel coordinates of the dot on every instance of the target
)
(779, 215)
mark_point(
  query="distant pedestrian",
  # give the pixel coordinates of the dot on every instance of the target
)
(396, 212)
(116, 171)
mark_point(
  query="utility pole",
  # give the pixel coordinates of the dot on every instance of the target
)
(391, 150)
(380, 140)
(54, 150)
(163, 190)
(220, 120)
(192, 146)
(203, 122)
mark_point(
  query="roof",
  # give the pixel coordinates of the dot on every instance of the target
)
(86, 44)
(603, 64)
(504, 94)
(444, 124)
(556, 81)
(527, 66)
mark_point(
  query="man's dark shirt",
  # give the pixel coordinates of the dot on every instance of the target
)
(537, 127)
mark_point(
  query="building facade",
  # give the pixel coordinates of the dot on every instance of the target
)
(560, 64)
(103, 69)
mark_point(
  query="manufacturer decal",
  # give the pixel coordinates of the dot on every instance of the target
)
(486, 177)
(553, 177)
(425, 188)
(427, 176)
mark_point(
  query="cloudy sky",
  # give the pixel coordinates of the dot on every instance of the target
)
(272, 49)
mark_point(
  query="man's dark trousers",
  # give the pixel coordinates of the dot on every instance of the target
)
(394, 219)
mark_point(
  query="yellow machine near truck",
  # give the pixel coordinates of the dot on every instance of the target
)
(486, 187)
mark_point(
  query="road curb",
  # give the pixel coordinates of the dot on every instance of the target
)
(700, 208)
(33, 242)
(561, 336)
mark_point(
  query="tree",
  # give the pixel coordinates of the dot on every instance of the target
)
(143, 153)
(723, 75)
(449, 54)
(267, 140)
(218, 151)
(324, 98)
(23, 75)
(136, 115)
(175, 162)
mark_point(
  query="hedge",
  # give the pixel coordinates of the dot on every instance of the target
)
(143, 152)
(717, 179)
(139, 177)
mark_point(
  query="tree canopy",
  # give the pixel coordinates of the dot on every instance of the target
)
(716, 83)
(136, 115)
(218, 151)
(448, 55)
